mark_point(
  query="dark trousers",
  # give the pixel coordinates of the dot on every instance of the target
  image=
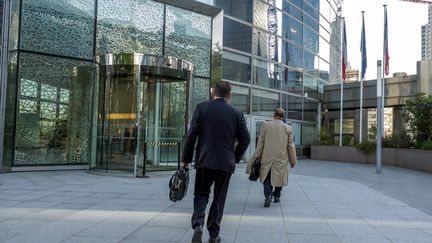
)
(268, 188)
(203, 182)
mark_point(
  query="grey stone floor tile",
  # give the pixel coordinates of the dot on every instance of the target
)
(401, 234)
(20, 225)
(87, 239)
(156, 233)
(35, 238)
(131, 217)
(308, 228)
(109, 230)
(311, 238)
(61, 228)
(260, 236)
(364, 240)
(355, 229)
(170, 220)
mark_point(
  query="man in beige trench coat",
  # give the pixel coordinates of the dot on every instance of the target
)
(276, 149)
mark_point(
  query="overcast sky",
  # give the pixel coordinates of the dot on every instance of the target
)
(404, 25)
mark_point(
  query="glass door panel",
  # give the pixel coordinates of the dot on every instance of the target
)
(164, 121)
(117, 142)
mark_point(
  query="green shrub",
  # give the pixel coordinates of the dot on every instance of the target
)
(326, 138)
(372, 133)
(389, 141)
(404, 140)
(367, 147)
(426, 145)
(346, 140)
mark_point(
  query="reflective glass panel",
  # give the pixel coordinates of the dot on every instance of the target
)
(309, 134)
(292, 10)
(236, 67)
(310, 63)
(294, 110)
(63, 27)
(129, 26)
(292, 55)
(14, 24)
(292, 30)
(292, 80)
(237, 35)
(310, 110)
(264, 102)
(239, 9)
(266, 74)
(298, 3)
(52, 125)
(240, 98)
(188, 36)
(201, 91)
(310, 41)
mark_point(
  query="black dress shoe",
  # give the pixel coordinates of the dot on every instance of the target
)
(197, 236)
(276, 200)
(267, 202)
(215, 240)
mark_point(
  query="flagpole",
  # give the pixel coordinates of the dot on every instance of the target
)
(342, 83)
(343, 60)
(385, 61)
(363, 71)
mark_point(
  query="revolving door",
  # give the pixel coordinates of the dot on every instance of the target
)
(143, 111)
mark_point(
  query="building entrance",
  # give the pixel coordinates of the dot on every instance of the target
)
(143, 111)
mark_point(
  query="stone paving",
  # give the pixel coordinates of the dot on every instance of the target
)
(324, 202)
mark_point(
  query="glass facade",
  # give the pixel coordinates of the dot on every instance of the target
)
(276, 53)
(282, 52)
(55, 96)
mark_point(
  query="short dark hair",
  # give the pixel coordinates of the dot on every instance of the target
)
(279, 112)
(222, 89)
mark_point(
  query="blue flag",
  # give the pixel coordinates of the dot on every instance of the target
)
(363, 50)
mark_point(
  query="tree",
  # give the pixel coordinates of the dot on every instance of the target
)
(418, 114)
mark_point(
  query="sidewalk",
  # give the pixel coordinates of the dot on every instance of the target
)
(324, 202)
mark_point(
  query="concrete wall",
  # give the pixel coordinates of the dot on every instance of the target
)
(420, 160)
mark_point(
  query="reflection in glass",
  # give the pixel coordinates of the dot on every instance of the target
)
(294, 110)
(200, 93)
(292, 80)
(239, 9)
(52, 123)
(188, 36)
(240, 98)
(310, 110)
(266, 74)
(264, 102)
(309, 134)
(129, 26)
(237, 35)
(61, 27)
(236, 67)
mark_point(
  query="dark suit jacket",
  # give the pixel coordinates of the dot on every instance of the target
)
(217, 125)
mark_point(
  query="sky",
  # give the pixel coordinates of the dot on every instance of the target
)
(404, 32)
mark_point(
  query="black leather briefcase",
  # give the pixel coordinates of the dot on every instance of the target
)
(178, 185)
(255, 170)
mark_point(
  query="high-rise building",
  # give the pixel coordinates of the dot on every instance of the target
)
(426, 32)
(112, 84)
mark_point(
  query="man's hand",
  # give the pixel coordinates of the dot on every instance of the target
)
(184, 165)
(292, 165)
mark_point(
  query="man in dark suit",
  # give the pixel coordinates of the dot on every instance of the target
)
(216, 125)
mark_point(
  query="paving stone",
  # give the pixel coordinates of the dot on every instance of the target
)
(324, 202)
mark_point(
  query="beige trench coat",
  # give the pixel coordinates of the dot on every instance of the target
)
(275, 147)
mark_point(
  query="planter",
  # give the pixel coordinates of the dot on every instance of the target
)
(405, 158)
